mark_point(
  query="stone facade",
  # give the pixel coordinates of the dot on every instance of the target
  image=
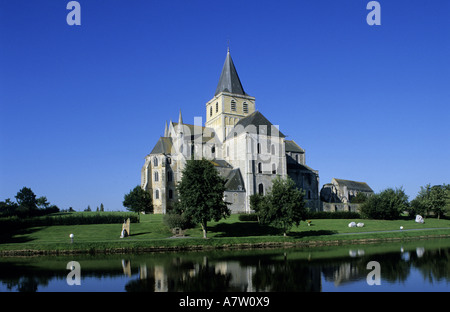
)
(244, 146)
(341, 191)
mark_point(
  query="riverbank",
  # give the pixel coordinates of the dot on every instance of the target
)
(150, 235)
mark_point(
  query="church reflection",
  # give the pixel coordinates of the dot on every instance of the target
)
(290, 270)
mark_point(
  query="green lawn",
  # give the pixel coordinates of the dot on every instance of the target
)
(152, 232)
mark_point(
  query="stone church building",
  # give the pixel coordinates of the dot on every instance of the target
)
(244, 146)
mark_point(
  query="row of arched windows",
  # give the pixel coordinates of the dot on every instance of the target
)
(157, 194)
(274, 168)
(233, 108)
(169, 176)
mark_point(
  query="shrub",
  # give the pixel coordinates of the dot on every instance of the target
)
(248, 217)
(173, 220)
(332, 215)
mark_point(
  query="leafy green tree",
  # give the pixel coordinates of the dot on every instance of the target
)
(359, 198)
(201, 192)
(386, 205)
(102, 208)
(431, 199)
(42, 202)
(283, 206)
(138, 200)
(26, 199)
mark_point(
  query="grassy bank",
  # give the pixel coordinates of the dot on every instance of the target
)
(150, 234)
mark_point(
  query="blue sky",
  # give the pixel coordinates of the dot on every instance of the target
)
(81, 106)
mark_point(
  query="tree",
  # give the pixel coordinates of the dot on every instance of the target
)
(201, 192)
(102, 208)
(359, 198)
(283, 206)
(42, 202)
(138, 200)
(430, 199)
(26, 199)
(386, 205)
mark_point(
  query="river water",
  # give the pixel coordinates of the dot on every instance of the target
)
(398, 266)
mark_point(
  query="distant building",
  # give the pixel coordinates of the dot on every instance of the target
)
(342, 191)
(244, 146)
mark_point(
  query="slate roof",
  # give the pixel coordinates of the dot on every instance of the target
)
(291, 146)
(354, 185)
(163, 146)
(256, 123)
(229, 80)
(234, 181)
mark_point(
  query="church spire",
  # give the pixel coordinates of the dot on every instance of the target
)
(180, 119)
(166, 130)
(229, 80)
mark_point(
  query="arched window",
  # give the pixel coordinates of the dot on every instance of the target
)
(156, 176)
(274, 169)
(155, 161)
(210, 111)
(170, 194)
(259, 167)
(217, 107)
(258, 148)
(213, 149)
(261, 189)
(157, 194)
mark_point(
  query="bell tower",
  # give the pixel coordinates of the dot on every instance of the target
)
(230, 102)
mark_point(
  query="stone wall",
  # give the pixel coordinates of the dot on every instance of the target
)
(332, 207)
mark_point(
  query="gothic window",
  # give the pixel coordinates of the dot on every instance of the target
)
(274, 169)
(258, 148)
(157, 194)
(245, 108)
(259, 167)
(233, 106)
(155, 161)
(156, 176)
(217, 107)
(210, 111)
(261, 189)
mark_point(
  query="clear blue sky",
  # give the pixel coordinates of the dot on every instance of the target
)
(81, 106)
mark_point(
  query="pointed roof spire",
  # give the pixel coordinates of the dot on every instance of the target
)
(180, 119)
(166, 130)
(229, 80)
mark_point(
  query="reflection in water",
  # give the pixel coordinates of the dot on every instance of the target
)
(298, 270)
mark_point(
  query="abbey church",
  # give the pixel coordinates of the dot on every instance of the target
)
(244, 146)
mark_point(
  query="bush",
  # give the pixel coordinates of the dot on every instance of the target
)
(248, 217)
(332, 215)
(173, 220)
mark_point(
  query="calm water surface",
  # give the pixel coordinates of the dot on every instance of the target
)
(410, 266)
